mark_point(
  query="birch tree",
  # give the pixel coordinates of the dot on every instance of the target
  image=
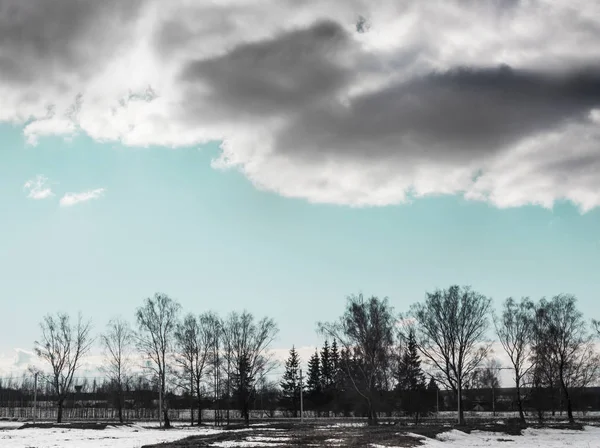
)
(118, 343)
(249, 357)
(451, 326)
(562, 335)
(63, 345)
(157, 322)
(514, 327)
(193, 337)
(366, 330)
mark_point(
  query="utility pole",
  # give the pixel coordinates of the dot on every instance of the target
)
(35, 395)
(301, 402)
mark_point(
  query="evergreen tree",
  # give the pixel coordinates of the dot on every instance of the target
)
(410, 375)
(326, 367)
(337, 377)
(335, 360)
(290, 385)
(411, 386)
(242, 382)
(432, 385)
(314, 380)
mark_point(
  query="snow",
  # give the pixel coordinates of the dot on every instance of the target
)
(112, 437)
(531, 438)
(242, 443)
(268, 439)
(137, 435)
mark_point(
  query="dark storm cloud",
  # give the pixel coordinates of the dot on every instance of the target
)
(274, 76)
(460, 114)
(39, 38)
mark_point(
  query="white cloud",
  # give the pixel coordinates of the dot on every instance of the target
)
(38, 188)
(309, 108)
(70, 199)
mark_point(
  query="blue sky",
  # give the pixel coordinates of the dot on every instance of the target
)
(169, 222)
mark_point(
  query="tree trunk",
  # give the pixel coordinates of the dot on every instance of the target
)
(461, 412)
(372, 415)
(246, 413)
(166, 418)
(569, 404)
(120, 408)
(199, 409)
(520, 403)
(60, 411)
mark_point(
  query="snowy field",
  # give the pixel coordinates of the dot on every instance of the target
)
(531, 438)
(133, 436)
(136, 436)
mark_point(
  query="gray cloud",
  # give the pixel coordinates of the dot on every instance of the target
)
(437, 97)
(272, 77)
(457, 115)
(54, 38)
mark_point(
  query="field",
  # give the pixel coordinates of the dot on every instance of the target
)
(287, 435)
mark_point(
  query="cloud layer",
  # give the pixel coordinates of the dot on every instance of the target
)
(37, 188)
(70, 199)
(497, 101)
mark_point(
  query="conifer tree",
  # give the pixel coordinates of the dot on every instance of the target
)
(291, 383)
(432, 385)
(411, 386)
(242, 382)
(326, 368)
(335, 360)
(410, 375)
(314, 380)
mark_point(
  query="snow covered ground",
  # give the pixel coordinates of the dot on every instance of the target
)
(112, 437)
(531, 438)
(138, 435)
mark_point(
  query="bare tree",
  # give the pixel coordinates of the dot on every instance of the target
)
(451, 326)
(249, 357)
(366, 329)
(514, 328)
(118, 342)
(157, 321)
(562, 336)
(193, 337)
(63, 346)
(214, 329)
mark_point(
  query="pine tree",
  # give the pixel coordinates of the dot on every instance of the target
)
(291, 383)
(314, 380)
(410, 376)
(411, 386)
(242, 381)
(335, 360)
(432, 386)
(326, 368)
(345, 365)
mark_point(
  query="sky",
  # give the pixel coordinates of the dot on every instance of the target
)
(280, 155)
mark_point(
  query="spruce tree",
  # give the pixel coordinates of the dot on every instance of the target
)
(314, 380)
(335, 359)
(337, 375)
(326, 368)
(242, 381)
(290, 385)
(410, 375)
(345, 365)
(432, 385)
(411, 386)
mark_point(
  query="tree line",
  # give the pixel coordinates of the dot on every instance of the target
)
(373, 360)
